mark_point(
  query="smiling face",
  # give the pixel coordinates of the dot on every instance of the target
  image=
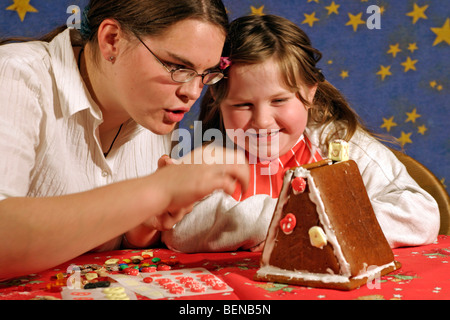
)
(144, 89)
(260, 103)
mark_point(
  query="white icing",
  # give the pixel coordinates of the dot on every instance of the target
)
(372, 273)
(297, 274)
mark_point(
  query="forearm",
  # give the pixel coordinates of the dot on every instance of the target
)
(38, 233)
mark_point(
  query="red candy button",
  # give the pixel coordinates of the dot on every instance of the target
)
(176, 290)
(148, 280)
(198, 288)
(148, 269)
(164, 267)
(132, 271)
(287, 224)
(219, 286)
(298, 185)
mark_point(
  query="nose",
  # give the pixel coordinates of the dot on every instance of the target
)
(191, 90)
(262, 118)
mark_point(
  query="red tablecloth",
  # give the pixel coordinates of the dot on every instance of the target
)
(425, 275)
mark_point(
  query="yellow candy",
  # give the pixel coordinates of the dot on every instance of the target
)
(317, 237)
(91, 275)
(111, 261)
(338, 150)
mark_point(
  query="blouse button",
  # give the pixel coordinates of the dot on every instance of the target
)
(104, 173)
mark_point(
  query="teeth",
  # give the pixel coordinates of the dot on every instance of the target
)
(269, 134)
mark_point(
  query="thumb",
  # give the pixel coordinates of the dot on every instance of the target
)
(165, 160)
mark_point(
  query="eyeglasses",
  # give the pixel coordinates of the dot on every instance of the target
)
(183, 75)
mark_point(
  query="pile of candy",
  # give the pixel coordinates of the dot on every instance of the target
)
(94, 276)
(144, 263)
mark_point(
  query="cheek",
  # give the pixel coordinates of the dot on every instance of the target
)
(233, 119)
(295, 118)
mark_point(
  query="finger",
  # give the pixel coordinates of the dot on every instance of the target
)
(238, 172)
(162, 162)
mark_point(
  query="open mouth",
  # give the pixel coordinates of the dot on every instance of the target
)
(175, 115)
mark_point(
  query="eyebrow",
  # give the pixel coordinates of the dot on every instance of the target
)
(186, 62)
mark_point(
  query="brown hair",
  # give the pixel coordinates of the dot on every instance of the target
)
(254, 39)
(144, 17)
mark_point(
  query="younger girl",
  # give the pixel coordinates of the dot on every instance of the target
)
(274, 90)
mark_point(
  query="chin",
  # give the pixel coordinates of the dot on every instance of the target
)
(160, 128)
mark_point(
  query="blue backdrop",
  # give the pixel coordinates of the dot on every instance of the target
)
(394, 69)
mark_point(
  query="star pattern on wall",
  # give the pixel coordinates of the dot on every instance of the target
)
(391, 65)
(22, 7)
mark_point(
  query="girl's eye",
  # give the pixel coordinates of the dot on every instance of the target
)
(280, 100)
(242, 105)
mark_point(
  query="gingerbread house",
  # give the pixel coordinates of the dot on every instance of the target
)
(324, 232)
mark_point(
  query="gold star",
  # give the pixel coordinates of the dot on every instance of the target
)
(439, 87)
(257, 11)
(310, 19)
(344, 74)
(316, 1)
(412, 116)
(394, 49)
(422, 129)
(417, 13)
(355, 21)
(443, 33)
(409, 64)
(333, 8)
(412, 47)
(22, 7)
(388, 123)
(405, 138)
(433, 83)
(384, 72)
(443, 183)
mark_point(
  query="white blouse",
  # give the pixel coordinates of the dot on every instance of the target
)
(49, 141)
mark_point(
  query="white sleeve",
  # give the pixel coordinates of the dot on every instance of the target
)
(407, 214)
(20, 116)
(220, 223)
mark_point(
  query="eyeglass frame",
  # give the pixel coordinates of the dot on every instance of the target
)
(172, 71)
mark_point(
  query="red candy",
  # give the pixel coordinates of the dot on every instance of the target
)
(219, 285)
(148, 279)
(197, 287)
(176, 290)
(298, 184)
(206, 277)
(132, 271)
(183, 280)
(288, 223)
(148, 269)
(164, 267)
(169, 285)
(163, 281)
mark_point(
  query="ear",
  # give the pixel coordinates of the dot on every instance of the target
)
(109, 35)
(311, 93)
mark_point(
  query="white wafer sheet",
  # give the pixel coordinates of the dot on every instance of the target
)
(114, 292)
(174, 283)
